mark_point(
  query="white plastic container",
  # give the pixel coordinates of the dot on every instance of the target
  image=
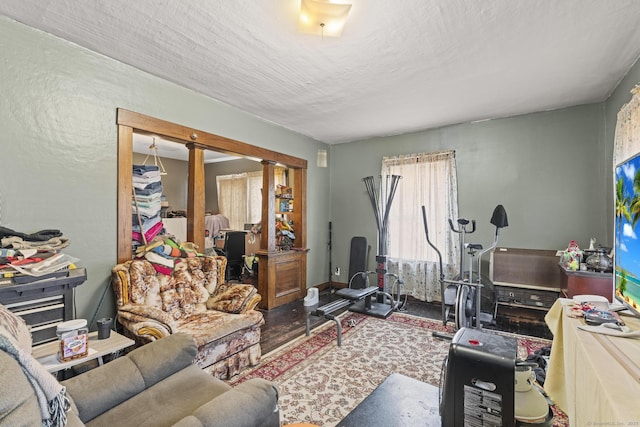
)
(68, 327)
(312, 297)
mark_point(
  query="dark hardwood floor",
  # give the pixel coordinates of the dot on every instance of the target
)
(287, 322)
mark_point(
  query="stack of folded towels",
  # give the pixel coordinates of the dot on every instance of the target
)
(146, 203)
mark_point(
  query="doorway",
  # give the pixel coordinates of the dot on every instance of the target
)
(197, 142)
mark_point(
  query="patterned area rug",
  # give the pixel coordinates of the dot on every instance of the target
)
(320, 383)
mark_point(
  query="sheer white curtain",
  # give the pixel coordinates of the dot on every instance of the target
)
(627, 139)
(232, 198)
(428, 179)
(254, 197)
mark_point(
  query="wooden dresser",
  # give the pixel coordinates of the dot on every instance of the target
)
(525, 278)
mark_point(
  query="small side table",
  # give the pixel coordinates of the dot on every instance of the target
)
(47, 354)
(586, 283)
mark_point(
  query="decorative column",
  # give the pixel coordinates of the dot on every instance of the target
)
(196, 198)
(268, 231)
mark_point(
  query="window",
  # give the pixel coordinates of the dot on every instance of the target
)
(428, 179)
(240, 196)
(232, 198)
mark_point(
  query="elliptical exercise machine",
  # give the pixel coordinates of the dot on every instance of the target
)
(467, 295)
(482, 366)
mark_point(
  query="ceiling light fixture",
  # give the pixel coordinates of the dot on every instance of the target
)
(323, 17)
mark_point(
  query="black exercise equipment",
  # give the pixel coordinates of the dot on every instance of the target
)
(384, 304)
(348, 297)
(468, 295)
(375, 308)
(358, 256)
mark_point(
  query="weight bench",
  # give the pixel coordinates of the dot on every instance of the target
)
(348, 297)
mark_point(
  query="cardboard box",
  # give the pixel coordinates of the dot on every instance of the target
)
(73, 347)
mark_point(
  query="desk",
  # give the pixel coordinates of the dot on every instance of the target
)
(593, 378)
(47, 354)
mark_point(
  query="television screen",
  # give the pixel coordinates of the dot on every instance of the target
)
(627, 233)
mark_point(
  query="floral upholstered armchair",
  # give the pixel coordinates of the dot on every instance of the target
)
(195, 300)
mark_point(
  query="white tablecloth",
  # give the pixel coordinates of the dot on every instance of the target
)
(593, 378)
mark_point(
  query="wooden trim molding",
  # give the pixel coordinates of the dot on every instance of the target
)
(125, 192)
(197, 141)
(184, 134)
(268, 233)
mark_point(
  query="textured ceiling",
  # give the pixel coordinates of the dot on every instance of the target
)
(400, 66)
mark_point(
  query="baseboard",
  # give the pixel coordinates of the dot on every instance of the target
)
(325, 285)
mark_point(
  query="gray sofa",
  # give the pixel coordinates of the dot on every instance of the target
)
(154, 385)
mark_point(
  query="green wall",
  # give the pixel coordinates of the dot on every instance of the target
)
(59, 138)
(545, 168)
(552, 171)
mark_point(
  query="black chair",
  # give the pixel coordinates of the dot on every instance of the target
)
(234, 249)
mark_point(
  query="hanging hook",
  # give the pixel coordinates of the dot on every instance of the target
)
(156, 159)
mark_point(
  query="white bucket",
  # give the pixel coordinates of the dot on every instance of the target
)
(312, 297)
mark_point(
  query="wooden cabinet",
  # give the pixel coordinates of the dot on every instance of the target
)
(586, 283)
(282, 277)
(525, 278)
(282, 274)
